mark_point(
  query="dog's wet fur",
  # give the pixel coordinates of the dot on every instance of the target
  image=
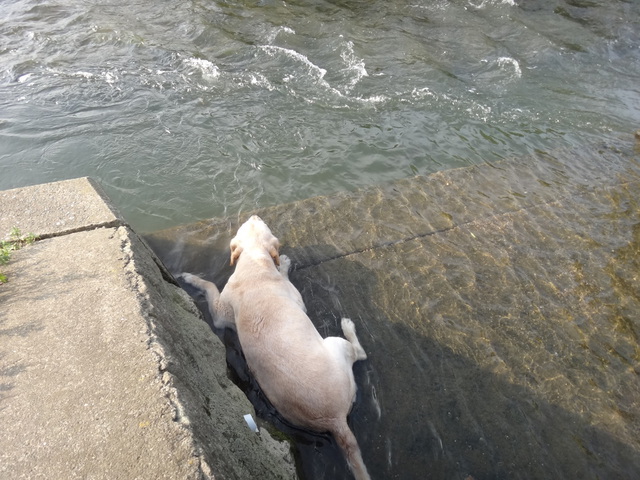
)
(308, 379)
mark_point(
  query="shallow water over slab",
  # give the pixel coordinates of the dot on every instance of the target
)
(498, 304)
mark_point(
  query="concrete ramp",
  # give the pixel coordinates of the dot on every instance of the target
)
(107, 370)
(499, 306)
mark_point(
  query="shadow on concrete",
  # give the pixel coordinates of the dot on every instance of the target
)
(7, 372)
(11, 328)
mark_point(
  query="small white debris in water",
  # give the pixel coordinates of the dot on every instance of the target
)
(252, 424)
(25, 77)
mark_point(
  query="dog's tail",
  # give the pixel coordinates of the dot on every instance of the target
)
(349, 445)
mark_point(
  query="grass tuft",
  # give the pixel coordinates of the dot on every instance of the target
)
(15, 242)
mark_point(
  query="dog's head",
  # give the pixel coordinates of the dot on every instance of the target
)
(254, 234)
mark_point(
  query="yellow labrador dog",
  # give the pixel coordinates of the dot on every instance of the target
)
(308, 379)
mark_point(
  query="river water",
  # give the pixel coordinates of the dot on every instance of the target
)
(195, 109)
(517, 356)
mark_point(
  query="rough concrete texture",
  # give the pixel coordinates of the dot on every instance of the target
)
(56, 208)
(106, 367)
(499, 306)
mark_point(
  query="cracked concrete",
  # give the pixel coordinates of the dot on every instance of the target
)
(59, 208)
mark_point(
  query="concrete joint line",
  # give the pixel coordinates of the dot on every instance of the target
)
(86, 228)
(556, 202)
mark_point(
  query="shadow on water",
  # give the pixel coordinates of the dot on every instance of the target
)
(427, 411)
(424, 410)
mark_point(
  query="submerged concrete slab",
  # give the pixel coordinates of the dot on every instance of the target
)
(350, 222)
(498, 349)
(498, 305)
(106, 367)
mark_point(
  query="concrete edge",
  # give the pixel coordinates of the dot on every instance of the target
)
(117, 220)
(192, 368)
(184, 352)
(58, 208)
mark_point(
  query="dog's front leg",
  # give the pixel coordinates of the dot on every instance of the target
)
(221, 312)
(285, 265)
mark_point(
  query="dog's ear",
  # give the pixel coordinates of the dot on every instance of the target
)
(236, 250)
(273, 251)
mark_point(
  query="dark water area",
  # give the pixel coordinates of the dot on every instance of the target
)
(196, 109)
(498, 304)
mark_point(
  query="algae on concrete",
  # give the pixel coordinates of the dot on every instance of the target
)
(15, 241)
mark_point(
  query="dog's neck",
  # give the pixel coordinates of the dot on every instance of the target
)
(256, 256)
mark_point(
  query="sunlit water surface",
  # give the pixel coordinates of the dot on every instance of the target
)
(192, 109)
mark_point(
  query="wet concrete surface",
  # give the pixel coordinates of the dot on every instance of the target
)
(499, 306)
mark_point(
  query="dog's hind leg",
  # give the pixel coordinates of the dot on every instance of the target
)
(349, 330)
(221, 313)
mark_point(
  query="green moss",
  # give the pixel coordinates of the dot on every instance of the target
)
(15, 242)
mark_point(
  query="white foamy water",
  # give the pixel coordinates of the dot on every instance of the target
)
(511, 62)
(351, 71)
(354, 65)
(205, 67)
(485, 3)
(312, 68)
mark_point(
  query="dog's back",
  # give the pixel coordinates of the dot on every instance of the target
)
(308, 379)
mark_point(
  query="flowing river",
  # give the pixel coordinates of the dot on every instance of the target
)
(186, 110)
